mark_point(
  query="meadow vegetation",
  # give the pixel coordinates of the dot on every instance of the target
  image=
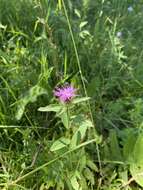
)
(93, 141)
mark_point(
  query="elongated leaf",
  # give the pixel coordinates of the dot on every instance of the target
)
(89, 175)
(82, 163)
(87, 123)
(114, 146)
(82, 24)
(80, 133)
(60, 4)
(129, 145)
(65, 119)
(138, 150)
(91, 165)
(79, 100)
(74, 183)
(60, 143)
(31, 96)
(75, 139)
(77, 13)
(50, 108)
(134, 150)
(137, 173)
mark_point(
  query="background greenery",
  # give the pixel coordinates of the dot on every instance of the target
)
(95, 45)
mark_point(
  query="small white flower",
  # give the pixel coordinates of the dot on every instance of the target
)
(119, 34)
(130, 9)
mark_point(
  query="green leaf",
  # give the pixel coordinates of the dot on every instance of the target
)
(31, 96)
(83, 183)
(75, 139)
(106, 152)
(77, 13)
(129, 145)
(3, 26)
(80, 133)
(89, 175)
(124, 176)
(82, 163)
(138, 150)
(137, 173)
(60, 185)
(60, 143)
(114, 146)
(60, 4)
(87, 123)
(82, 24)
(74, 182)
(83, 34)
(65, 119)
(91, 165)
(79, 100)
(51, 108)
(93, 86)
(42, 187)
(135, 156)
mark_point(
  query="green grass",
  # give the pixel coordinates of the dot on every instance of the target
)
(48, 43)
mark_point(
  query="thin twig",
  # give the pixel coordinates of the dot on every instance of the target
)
(131, 180)
(82, 80)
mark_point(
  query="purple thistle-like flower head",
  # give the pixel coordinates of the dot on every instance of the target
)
(65, 94)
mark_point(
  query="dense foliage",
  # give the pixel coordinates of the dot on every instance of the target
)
(93, 140)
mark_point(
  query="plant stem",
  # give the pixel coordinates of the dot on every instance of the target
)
(50, 162)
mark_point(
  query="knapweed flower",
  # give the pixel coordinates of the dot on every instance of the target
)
(130, 9)
(65, 93)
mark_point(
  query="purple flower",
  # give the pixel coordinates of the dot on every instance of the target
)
(65, 93)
